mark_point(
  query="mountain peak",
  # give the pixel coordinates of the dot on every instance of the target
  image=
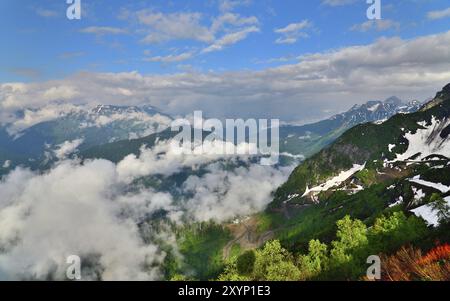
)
(114, 109)
(394, 100)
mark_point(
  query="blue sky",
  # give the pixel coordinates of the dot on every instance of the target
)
(41, 43)
(295, 60)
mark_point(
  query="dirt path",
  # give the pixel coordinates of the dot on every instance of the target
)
(246, 233)
(246, 236)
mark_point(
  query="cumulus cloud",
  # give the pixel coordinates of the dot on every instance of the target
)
(226, 29)
(230, 39)
(166, 158)
(67, 148)
(229, 5)
(292, 32)
(338, 2)
(330, 81)
(73, 210)
(29, 117)
(378, 25)
(170, 58)
(103, 30)
(173, 26)
(439, 14)
(6, 164)
(88, 209)
(222, 195)
(46, 13)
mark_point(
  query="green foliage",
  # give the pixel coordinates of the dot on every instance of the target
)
(367, 176)
(362, 143)
(390, 232)
(246, 262)
(343, 259)
(351, 234)
(274, 263)
(201, 246)
(231, 273)
(441, 207)
(316, 261)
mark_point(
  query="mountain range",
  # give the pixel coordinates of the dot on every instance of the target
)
(380, 188)
(385, 164)
(308, 139)
(82, 128)
(107, 126)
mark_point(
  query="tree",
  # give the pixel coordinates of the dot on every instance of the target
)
(347, 252)
(316, 261)
(246, 263)
(274, 263)
(352, 234)
(390, 232)
(231, 273)
(442, 208)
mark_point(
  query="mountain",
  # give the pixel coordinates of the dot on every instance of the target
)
(372, 144)
(400, 165)
(308, 139)
(381, 188)
(83, 128)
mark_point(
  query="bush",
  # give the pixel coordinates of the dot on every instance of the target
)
(246, 263)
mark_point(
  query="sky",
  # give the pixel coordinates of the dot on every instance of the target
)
(293, 60)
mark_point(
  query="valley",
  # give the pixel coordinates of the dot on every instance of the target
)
(380, 160)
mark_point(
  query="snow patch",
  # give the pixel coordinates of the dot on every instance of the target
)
(398, 202)
(427, 141)
(438, 186)
(343, 176)
(429, 214)
(374, 107)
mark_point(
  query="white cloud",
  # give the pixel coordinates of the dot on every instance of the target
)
(221, 195)
(170, 58)
(229, 5)
(32, 117)
(225, 29)
(292, 32)
(379, 25)
(46, 13)
(439, 14)
(174, 26)
(86, 209)
(389, 66)
(67, 148)
(72, 210)
(338, 2)
(165, 159)
(230, 39)
(6, 164)
(103, 30)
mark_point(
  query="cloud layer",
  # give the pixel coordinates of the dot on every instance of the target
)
(329, 81)
(87, 209)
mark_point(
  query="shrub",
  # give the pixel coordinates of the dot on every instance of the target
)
(246, 262)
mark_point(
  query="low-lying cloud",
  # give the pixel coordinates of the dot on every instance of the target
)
(72, 210)
(87, 209)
